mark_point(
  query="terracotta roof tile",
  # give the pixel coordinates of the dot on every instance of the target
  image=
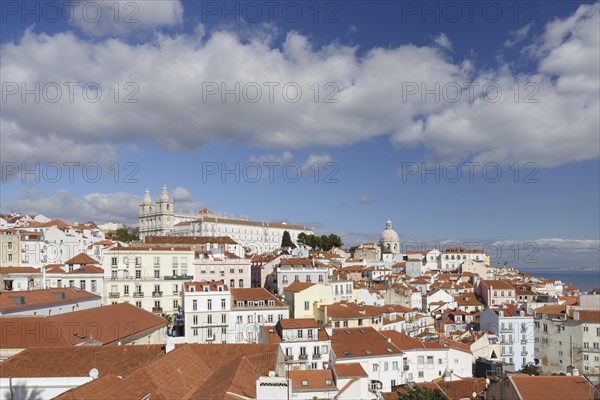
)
(552, 387)
(82, 259)
(312, 380)
(297, 286)
(78, 360)
(36, 298)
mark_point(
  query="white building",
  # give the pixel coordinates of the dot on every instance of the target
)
(451, 258)
(304, 343)
(215, 313)
(160, 219)
(391, 358)
(300, 270)
(566, 337)
(148, 277)
(515, 329)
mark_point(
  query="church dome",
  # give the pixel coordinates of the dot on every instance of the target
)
(388, 235)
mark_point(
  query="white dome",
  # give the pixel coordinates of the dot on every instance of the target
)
(389, 235)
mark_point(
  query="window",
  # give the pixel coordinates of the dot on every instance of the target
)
(270, 318)
(586, 328)
(232, 283)
(94, 286)
(175, 288)
(157, 273)
(375, 367)
(420, 359)
(300, 333)
(421, 374)
(209, 304)
(82, 284)
(138, 304)
(113, 261)
(209, 319)
(395, 365)
(241, 283)
(306, 305)
(194, 305)
(138, 274)
(113, 275)
(222, 304)
(126, 290)
(223, 318)
(175, 304)
(429, 360)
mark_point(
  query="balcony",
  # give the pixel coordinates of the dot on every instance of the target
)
(405, 367)
(303, 357)
(114, 295)
(506, 329)
(178, 278)
(138, 294)
(157, 294)
(157, 309)
(316, 357)
(288, 358)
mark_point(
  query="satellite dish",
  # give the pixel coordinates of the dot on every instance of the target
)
(474, 394)
(94, 373)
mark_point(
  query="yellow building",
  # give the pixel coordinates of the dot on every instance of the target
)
(304, 298)
(10, 244)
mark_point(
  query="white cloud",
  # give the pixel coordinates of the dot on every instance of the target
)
(443, 41)
(364, 200)
(285, 157)
(169, 73)
(316, 161)
(97, 207)
(517, 35)
(125, 17)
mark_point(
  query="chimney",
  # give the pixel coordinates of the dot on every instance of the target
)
(389, 340)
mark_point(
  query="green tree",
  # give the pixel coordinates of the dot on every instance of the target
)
(168, 317)
(423, 394)
(124, 235)
(531, 369)
(286, 240)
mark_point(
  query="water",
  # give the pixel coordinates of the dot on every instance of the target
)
(584, 280)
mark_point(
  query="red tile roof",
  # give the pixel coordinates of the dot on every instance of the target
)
(82, 259)
(197, 372)
(348, 370)
(552, 387)
(101, 325)
(298, 286)
(312, 380)
(42, 297)
(79, 360)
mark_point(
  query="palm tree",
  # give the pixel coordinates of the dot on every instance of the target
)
(168, 317)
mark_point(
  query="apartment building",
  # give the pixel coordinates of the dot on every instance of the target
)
(304, 342)
(567, 336)
(148, 277)
(214, 313)
(300, 270)
(515, 329)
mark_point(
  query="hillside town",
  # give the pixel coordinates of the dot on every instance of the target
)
(202, 306)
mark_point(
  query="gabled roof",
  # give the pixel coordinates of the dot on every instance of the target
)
(191, 371)
(82, 259)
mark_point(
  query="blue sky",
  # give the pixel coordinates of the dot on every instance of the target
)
(371, 146)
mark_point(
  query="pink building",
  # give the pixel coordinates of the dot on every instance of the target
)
(496, 292)
(225, 266)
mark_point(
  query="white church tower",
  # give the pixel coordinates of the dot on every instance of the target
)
(156, 219)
